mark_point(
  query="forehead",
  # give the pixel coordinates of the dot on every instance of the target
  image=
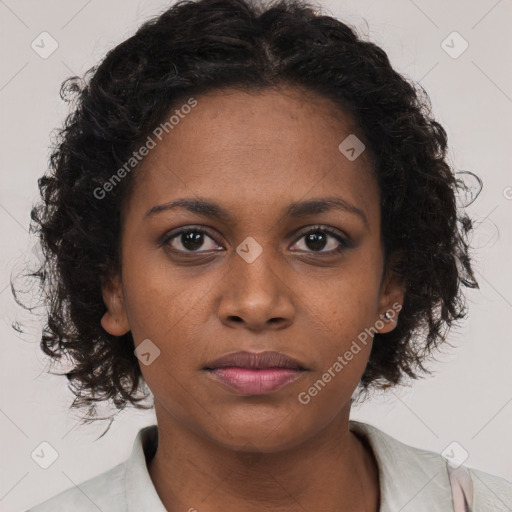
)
(261, 146)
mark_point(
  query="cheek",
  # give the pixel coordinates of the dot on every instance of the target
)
(159, 296)
(342, 314)
(342, 342)
(347, 299)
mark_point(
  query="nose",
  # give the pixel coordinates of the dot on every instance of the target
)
(256, 296)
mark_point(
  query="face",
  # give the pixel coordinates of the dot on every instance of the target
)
(269, 265)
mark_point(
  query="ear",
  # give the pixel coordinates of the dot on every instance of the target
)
(115, 320)
(392, 294)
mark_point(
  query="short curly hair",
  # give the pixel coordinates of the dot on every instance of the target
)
(199, 46)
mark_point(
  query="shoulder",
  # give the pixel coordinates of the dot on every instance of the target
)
(491, 492)
(127, 486)
(102, 492)
(404, 468)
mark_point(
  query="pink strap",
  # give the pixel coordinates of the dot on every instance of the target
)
(462, 488)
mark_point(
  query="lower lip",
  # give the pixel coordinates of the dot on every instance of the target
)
(256, 382)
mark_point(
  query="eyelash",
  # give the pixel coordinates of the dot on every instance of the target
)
(344, 242)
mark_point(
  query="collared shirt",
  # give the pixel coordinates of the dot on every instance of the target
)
(411, 480)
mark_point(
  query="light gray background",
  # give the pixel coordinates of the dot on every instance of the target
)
(468, 400)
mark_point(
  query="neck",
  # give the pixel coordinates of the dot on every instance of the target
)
(333, 471)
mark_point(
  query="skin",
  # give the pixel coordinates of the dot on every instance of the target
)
(253, 155)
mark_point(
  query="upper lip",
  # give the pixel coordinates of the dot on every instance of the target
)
(256, 360)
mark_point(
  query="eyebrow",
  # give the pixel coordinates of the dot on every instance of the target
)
(208, 208)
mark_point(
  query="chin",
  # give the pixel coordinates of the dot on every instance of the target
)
(262, 435)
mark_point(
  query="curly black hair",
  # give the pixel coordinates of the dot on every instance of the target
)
(199, 46)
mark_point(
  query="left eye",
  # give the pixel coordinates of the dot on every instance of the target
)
(319, 239)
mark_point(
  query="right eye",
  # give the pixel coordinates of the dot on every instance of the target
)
(190, 240)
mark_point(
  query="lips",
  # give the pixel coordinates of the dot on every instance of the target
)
(251, 373)
(255, 360)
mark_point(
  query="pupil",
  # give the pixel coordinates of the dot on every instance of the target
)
(316, 241)
(192, 240)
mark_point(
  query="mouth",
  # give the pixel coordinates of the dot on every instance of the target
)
(251, 373)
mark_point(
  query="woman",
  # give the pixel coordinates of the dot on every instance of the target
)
(251, 212)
